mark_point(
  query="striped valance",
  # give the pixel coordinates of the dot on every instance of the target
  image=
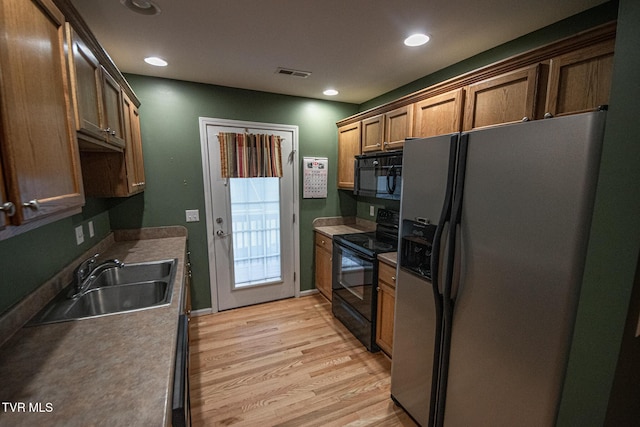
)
(245, 155)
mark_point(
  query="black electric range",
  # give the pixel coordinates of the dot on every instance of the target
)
(383, 239)
(355, 275)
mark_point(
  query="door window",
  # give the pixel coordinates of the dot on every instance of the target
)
(255, 224)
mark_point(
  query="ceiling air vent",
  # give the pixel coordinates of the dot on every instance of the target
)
(293, 73)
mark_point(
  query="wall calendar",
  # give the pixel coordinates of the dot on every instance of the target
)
(315, 177)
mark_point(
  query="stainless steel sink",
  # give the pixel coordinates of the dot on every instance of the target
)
(115, 290)
(134, 273)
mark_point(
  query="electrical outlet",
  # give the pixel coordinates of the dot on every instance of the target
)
(91, 230)
(193, 215)
(79, 235)
(372, 210)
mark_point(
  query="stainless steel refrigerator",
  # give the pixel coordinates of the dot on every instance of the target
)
(493, 238)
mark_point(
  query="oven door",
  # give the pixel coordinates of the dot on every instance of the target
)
(354, 275)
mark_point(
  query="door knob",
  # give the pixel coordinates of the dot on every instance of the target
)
(33, 204)
(8, 208)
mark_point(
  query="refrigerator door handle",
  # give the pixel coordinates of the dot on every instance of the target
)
(445, 216)
(391, 180)
(447, 296)
(453, 253)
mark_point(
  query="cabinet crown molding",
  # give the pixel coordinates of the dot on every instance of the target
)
(540, 54)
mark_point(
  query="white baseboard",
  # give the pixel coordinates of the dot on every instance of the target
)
(209, 310)
(202, 311)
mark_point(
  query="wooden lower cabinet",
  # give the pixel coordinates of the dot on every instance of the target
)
(324, 253)
(386, 306)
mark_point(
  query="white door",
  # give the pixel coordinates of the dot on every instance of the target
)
(252, 232)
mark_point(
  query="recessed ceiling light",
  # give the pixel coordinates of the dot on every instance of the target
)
(142, 7)
(330, 92)
(154, 60)
(416, 40)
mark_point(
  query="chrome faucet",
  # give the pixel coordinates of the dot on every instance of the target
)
(87, 271)
(83, 270)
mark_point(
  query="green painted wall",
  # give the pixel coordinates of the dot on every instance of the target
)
(173, 166)
(364, 204)
(614, 241)
(29, 259)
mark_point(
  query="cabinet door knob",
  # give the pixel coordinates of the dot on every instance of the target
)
(33, 204)
(393, 278)
(8, 208)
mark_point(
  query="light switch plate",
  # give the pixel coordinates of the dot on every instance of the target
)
(79, 235)
(193, 215)
(372, 210)
(91, 230)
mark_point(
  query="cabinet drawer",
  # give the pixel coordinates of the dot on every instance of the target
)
(387, 274)
(324, 241)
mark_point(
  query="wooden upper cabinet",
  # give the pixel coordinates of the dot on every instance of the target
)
(372, 133)
(348, 148)
(503, 99)
(387, 131)
(438, 115)
(85, 70)
(37, 139)
(398, 125)
(97, 99)
(112, 107)
(116, 174)
(580, 80)
(133, 152)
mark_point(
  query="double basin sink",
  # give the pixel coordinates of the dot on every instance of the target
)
(129, 288)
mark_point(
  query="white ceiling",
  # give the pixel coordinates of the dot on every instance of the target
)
(354, 46)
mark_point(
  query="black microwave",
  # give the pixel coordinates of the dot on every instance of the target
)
(378, 175)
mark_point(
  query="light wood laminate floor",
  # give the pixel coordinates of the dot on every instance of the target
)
(286, 363)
